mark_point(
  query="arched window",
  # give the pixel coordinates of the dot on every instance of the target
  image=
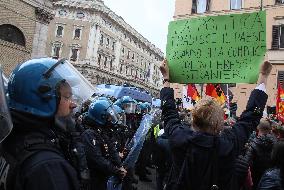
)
(12, 34)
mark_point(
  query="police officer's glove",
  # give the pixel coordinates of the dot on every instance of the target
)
(241, 168)
(121, 172)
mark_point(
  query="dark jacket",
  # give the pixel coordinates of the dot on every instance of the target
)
(229, 144)
(271, 180)
(261, 156)
(45, 166)
(103, 159)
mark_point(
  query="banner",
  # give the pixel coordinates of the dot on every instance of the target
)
(217, 49)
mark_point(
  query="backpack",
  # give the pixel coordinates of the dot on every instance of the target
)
(186, 175)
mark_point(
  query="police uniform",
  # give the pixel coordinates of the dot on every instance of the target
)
(103, 159)
(32, 158)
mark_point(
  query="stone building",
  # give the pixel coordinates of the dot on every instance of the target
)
(23, 30)
(274, 31)
(102, 46)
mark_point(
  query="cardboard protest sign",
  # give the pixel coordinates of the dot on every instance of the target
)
(217, 49)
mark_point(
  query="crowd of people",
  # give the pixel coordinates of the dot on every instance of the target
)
(65, 137)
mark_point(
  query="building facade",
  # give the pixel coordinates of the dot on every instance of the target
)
(102, 46)
(23, 30)
(274, 39)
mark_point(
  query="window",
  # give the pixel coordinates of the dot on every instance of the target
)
(12, 34)
(120, 69)
(202, 6)
(74, 54)
(56, 52)
(80, 15)
(107, 43)
(280, 78)
(110, 63)
(133, 56)
(59, 31)
(105, 63)
(77, 33)
(280, 1)
(236, 4)
(128, 54)
(122, 51)
(62, 12)
(281, 41)
(99, 59)
(102, 39)
(277, 36)
(113, 45)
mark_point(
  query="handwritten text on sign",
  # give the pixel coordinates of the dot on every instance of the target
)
(217, 49)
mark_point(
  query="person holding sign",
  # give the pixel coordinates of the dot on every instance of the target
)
(204, 156)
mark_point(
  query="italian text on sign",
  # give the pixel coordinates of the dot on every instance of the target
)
(217, 49)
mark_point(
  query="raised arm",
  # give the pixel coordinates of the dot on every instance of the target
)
(254, 110)
(170, 114)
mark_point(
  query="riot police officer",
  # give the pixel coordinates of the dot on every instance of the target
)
(41, 101)
(103, 159)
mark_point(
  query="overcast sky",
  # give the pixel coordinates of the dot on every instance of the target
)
(149, 17)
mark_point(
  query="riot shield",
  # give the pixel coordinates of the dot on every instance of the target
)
(135, 146)
(6, 124)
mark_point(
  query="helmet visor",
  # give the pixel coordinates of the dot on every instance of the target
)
(113, 115)
(81, 88)
(6, 124)
(129, 107)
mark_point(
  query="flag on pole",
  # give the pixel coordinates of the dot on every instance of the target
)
(192, 92)
(280, 103)
(216, 92)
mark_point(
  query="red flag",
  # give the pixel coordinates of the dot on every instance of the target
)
(192, 92)
(216, 92)
(210, 88)
(280, 103)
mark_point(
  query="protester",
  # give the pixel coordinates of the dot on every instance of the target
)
(261, 148)
(203, 159)
(273, 179)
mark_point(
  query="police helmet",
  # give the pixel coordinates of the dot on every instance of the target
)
(101, 112)
(33, 86)
(128, 104)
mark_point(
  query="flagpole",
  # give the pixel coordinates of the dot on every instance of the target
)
(228, 99)
(201, 91)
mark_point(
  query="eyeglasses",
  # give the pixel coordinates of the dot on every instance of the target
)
(70, 98)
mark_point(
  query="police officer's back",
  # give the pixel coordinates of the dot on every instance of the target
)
(33, 155)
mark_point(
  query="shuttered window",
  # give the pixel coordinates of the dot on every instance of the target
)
(194, 7)
(277, 36)
(281, 40)
(280, 78)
